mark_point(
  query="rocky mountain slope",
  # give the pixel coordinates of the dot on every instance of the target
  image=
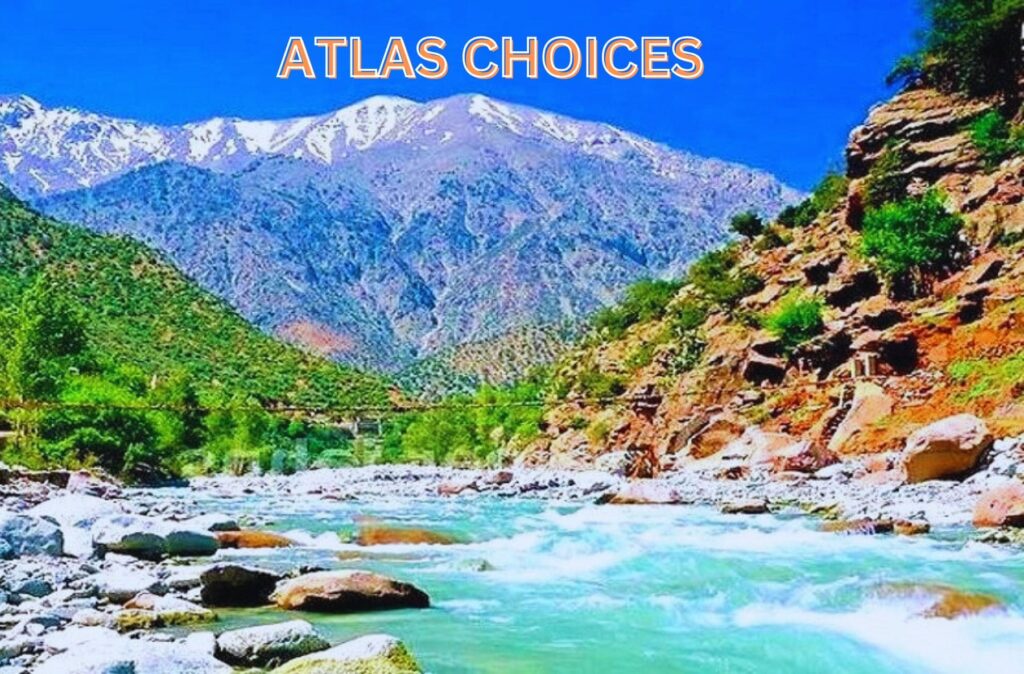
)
(875, 357)
(390, 229)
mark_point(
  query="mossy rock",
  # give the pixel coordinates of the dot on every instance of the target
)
(372, 654)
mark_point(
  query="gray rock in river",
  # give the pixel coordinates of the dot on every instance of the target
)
(269, 645)
(237, 585)
(150, 538)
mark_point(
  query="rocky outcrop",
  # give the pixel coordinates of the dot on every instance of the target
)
(371, 654)
(269, 645)
(870, 405)
(347, 592)
(946, 449)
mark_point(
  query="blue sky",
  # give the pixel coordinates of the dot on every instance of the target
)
(784, 80)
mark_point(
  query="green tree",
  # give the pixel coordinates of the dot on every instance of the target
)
(48, 342)
(971, 46)
(747, 224)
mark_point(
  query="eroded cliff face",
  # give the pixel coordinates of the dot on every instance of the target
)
(881, 368)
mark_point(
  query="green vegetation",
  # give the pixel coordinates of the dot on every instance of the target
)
(989, 379)
(826, 195)
(995, 138)
(774, 236)
(468, 430)
(911, 239)
(645, 300)
(886, 182)
(796, 320)
(970, 46)
(108, 354)
(747, 224)
(717, 279)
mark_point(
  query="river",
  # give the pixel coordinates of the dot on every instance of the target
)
(548, 587)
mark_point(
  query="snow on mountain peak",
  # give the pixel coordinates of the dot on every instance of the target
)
(52, 150)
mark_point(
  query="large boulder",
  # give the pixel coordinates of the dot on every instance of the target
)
(870, 404)
(371, 654)
(76, 514)
(181, 540)
(382, 534)
(269, 645)
(1001, 506)
(252, 539)
(130, 535)
(945, 449)
(27, 535)
(347, 591)
(150, 538)
(237, 585)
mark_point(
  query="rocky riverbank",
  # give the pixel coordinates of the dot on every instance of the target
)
(93, 573)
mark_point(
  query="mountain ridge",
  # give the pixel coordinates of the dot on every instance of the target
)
(388, 230)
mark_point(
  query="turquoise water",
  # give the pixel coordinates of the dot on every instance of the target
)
(581, 588)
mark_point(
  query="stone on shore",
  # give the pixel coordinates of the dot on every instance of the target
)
(246, 539)
(76, 514)
(347, 591)
(28, 536)
(371, 654)
(101, 651)
(269, 645)
(642, 492)
(1001, 506)
(946, 449)
(237, 585)
(170, 611)
(120, 584)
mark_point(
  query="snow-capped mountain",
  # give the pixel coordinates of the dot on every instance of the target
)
(389, 228)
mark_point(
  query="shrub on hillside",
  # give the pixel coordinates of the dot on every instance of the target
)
(747, 224)
(995, 139)
(715, 276)
(826, 195)
(796, 320)
(911, 239)
(645, 300)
